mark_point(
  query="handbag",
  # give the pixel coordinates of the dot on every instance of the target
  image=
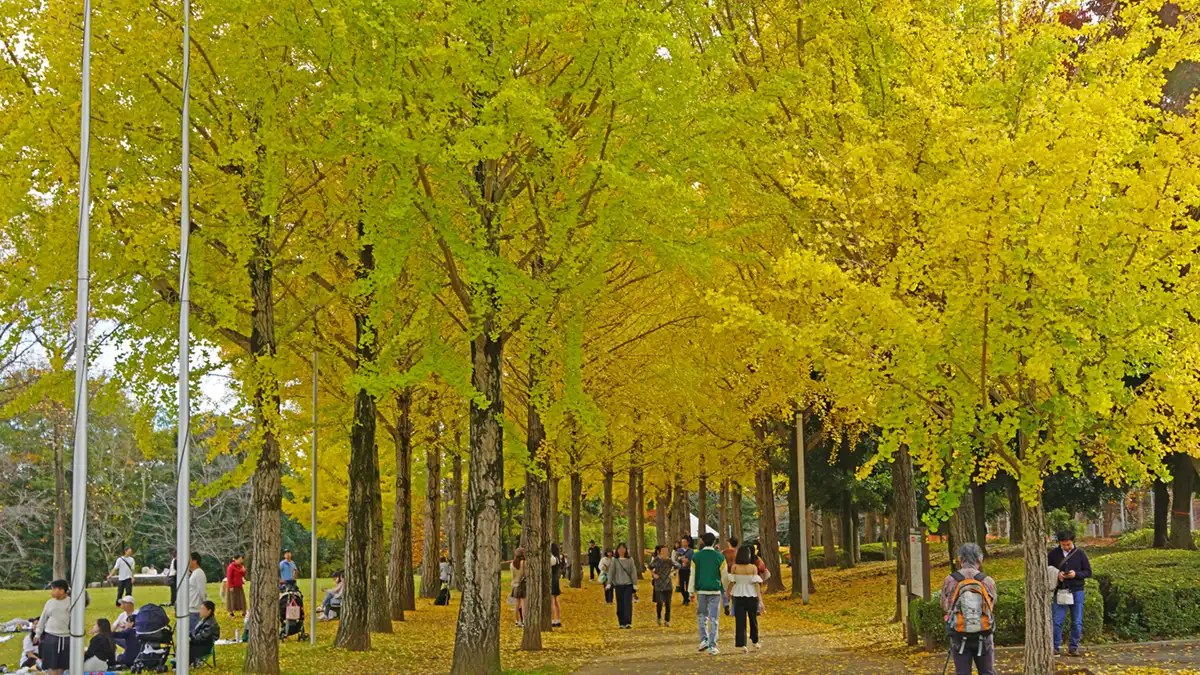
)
(1064, 597)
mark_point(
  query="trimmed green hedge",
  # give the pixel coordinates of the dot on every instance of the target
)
(1144, 538)
(1151, 594)
(1010, 614)
(816, 556)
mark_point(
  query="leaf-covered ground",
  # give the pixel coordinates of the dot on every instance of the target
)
(846, 628)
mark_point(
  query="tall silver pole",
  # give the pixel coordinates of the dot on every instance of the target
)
(803, 515)
(312, 615)
(183, 434)
(79, 462)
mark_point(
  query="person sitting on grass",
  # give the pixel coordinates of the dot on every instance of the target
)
(101, 653)
(204, 634)
(29, 651)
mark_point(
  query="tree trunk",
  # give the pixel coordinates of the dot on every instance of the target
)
(673, 533)
(795, 519)
(641, 518)
(768, 535)
(400, 559)
(554, 524)
(869, 527)
(737, 511)
(904, 518)
(456, 523)
(381, 620)
(631, 502)
(828, 547)
(682, 509)
(1039, 637)
(962, 527)
(432, 545)
(477, 635)
(979, 508)
(353, 631)
(660, 519)
(1015, 523)
(702, 499)
(576, 545)
(723, 512)
(60, 499)
(1162, 512)
(545, 522)
(607, 507)
(1181, 504)
(848, 536)
(534, 530)
(262, 652)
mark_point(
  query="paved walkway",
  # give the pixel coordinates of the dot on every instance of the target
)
(782, 652)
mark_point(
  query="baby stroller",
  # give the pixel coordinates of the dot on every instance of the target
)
(154, 637)
(291, 613)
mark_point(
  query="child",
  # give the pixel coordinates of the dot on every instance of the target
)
(53, 633)
(605, 564)
(661, 569)
(29, 652)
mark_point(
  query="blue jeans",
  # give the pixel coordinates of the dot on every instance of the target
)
(1060, 615)
(708, 616)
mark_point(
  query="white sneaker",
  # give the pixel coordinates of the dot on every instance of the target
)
(758, 645)
(713, 650)
(703, 646)
(745, 650)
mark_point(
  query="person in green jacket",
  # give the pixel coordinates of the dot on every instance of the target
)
(710, 575)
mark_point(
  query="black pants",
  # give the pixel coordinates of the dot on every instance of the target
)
(685, 573)
(124, 588)
(663, 599)
(624, 594)
(593, 570)
(608, 594)
(174, 589)
(745, 609)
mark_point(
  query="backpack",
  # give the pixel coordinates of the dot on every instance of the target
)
(443, 596)
(971, 608)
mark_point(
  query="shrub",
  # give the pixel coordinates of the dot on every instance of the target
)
(1150, 594)
(1144, 538)
(1009, 614)
(816, 555)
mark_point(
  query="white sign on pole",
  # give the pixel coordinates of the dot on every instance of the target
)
(917, 582)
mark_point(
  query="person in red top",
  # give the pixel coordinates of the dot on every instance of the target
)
(235, 578)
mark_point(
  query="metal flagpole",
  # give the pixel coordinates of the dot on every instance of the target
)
(803, 515)
(79, 462)
(312, 615)
(183, 493)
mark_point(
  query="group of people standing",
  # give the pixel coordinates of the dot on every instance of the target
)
(519, 591)
(731, 579)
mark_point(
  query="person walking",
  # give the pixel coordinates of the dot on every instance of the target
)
(197, 588)
(518, 585)
(593, 553)
(743, 591)
(709, 577)
(622, 574)
(555, 588)
(960, 589)
(682, 556)
(1073, 568)
(122, 569)
(605, 566)
(235, 577)
(730, 554)
(661, 570)
(170, 574)
(287, 570)
(53, 632)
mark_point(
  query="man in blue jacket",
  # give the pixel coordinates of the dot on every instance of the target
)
(1073, 567)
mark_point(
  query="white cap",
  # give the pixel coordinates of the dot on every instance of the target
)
(128, 598)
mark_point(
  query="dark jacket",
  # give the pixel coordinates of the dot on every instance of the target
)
(129, 640)
(206, 630)
(102, 647)
(594, 555)
(1077, 561)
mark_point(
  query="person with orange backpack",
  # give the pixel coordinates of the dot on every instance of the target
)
(969, 600)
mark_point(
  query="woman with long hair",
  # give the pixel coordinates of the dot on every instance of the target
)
(555, 590)
(102, 651)
(622, 574)
(605, 566)
(518, 584)
(743, 588)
